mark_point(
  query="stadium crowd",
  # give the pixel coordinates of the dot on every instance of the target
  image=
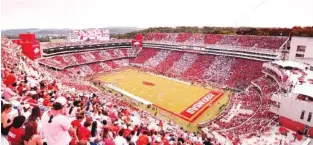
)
(39, 109)
(223, 71)
(40, 105)
(47, 45)
(80, 58)
(246, 42)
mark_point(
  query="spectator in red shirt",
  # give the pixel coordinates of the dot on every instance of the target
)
(46, 102)
(84, 132)
(73, 135)
(115, 128)
(77, 123)
(33, 100)
(20, 88)
(127, 132)
(160, 124)
(83, 142)
(143, 139)
(9, 80)
(16, 131)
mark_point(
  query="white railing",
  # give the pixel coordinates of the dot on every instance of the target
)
(128, 94)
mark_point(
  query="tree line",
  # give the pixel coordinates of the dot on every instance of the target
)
(295, 31)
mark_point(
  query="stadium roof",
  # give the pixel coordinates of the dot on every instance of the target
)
(301, 79)
(292, 64)
(304, 89)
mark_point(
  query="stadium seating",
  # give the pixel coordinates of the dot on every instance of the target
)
(238, 78)
(164, 66)
(46, 45)
(195, 39)
(225, 71)
(79, 58)
(182, 37)
(122, 63)
(96, 67)
(182, 65)
(244, 42)
(250, 110)
(156, 59)
(145, 55)
(125, 52)
(266, 85)
(97, 55)
(78, 86)
(156, 36)
(219, 70)
(212, 38)
(112, 64)
(246, 108)
(196, 71)
(67, 60)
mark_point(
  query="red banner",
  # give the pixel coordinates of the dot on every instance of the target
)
(31, 50)
(30, 46)
(139, 37)
(30, 37)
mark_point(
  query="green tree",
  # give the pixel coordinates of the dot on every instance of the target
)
(296, 31)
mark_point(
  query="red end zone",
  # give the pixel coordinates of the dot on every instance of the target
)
(200, 104)
(195, 110)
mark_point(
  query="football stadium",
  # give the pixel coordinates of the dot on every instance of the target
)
(231, 89)
(168, 85)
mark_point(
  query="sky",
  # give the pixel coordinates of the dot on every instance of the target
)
(17, 14)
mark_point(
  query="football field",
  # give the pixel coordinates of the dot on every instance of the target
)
(183, 100)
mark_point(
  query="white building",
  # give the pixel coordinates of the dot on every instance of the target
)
(89, 34)
(294, 102)
(301, 50)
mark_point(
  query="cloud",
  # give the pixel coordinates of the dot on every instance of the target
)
(102, 13)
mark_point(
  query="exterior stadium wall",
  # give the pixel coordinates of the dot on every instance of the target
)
(293, 109)
(290, 112)
(294, 125)
(295, 45)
